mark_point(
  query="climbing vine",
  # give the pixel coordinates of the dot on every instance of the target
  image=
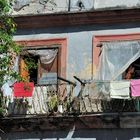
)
(8, 48)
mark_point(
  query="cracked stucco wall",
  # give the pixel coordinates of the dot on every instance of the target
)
(116, 3)
(23, 7)
(79, 43)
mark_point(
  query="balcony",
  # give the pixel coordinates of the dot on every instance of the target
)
(60, 99)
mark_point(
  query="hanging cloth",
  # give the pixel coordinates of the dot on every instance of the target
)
(120, 89)
(6, 90)
(22, 89)
(47, 56)
(6, 87)
(98, 89)
(135, 88)
(115, 58)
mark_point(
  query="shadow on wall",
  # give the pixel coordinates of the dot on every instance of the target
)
(91, 134)
(79, 28)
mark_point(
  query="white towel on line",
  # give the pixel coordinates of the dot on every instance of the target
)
(120, 89)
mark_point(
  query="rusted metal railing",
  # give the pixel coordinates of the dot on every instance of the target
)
(45, 101)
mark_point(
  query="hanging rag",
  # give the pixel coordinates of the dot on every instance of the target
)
(98, 89)
(22, 89)
(6, 90)
(120, 89)
(135, 88)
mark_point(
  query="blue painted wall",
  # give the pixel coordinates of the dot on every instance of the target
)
(79, 45)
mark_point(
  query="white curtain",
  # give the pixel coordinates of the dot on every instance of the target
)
(115, 58)
(46, 55)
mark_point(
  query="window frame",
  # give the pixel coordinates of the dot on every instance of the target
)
(97, 39)
(48, 42)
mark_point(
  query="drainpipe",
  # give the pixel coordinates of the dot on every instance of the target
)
(69, 4)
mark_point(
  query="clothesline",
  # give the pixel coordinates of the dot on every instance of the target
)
(123, 89)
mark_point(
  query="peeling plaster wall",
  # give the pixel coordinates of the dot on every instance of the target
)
(79, 43)
(79, 56)
(23, 7)
(85, 5)
(116, 3)
(79, 63)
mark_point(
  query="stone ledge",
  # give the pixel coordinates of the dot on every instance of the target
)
(91, 121)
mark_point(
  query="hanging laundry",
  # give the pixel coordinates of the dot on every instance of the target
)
(22, 89)
(135, 88)
(6, 90)
(120, 89)
(98, 89)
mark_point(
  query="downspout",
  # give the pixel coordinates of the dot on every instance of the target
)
(69, 4)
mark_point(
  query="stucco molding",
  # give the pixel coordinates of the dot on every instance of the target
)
(79, 18)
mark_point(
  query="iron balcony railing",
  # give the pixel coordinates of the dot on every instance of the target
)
(62, 99)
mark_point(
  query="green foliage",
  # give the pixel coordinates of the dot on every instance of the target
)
(8, 48)
(30, 62)
(53, 102)
(4, 7)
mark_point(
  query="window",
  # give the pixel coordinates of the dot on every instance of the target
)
(42, 64)
(133, 71)
(112, 44)
(49, 57)
(116, 57)
(116, 65)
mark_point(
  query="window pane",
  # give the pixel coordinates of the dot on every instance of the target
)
(46, 60)
(116, 58)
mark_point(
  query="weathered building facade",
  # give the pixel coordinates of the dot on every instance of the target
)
(77, 31)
